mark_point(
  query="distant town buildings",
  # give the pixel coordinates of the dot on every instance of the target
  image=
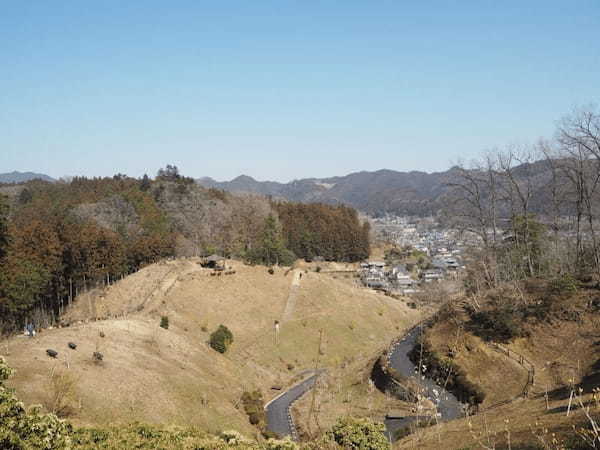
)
(439, 253)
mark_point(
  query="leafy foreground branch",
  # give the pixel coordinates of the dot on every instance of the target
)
(22, 429)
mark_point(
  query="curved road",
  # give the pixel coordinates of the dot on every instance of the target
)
(279, 419)
(447, 404)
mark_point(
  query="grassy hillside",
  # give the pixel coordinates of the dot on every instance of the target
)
(171, 376)
(562, 345)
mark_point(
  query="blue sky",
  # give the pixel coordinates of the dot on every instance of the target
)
(285, 89)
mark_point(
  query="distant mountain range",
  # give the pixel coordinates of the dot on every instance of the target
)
(376, 193)
(412, 193)
(21, 177)
(384, 191)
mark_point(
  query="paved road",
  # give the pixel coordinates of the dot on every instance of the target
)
(278, 410)
(447, 404)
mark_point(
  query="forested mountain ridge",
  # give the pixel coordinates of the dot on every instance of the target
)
(388, 191)
(383, 191)
(57, 239)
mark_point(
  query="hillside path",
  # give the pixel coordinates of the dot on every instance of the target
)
(290, 305)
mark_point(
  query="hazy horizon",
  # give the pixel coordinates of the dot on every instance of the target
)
(284, 92)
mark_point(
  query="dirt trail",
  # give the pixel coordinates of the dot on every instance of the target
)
(168, 282)
(290, 305)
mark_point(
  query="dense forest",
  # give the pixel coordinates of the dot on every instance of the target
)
(318, 230)
(58, 239)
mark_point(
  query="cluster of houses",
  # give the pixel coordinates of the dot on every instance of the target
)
(422, 233)
(397, 278)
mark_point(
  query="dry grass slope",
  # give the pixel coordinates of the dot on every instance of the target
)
(171, 376)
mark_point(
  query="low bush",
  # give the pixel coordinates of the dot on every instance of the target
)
(60, 393)
(221, 339)
(164, 322)
(254, 407)
(21, 429)
(500, 325)
(363, 434)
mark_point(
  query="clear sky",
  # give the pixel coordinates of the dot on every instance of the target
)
(285, 89)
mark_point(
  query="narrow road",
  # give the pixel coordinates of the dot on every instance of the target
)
(447, 404)
(279, 419)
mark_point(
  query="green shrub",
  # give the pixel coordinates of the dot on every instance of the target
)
(500, 325)
(254, 406)
(21, 429)
(164, 322)
(362, 434)
(221, 339)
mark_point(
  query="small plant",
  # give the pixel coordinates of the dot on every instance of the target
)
(564, 285)
(61, 393)
(97, 357)
(351, 325)
(164, 322)
(221, 339)
(271, 271)
(318, 269)
(254, 407)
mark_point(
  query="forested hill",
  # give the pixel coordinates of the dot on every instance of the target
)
(21, 177)
(383, 191)
(59, 238)
(371, 192)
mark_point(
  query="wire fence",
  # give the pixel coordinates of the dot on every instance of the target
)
(525, 363)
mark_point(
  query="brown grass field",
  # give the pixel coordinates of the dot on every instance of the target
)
(172, 376)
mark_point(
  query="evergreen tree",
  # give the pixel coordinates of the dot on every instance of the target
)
(145, 183)
(272, 243)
